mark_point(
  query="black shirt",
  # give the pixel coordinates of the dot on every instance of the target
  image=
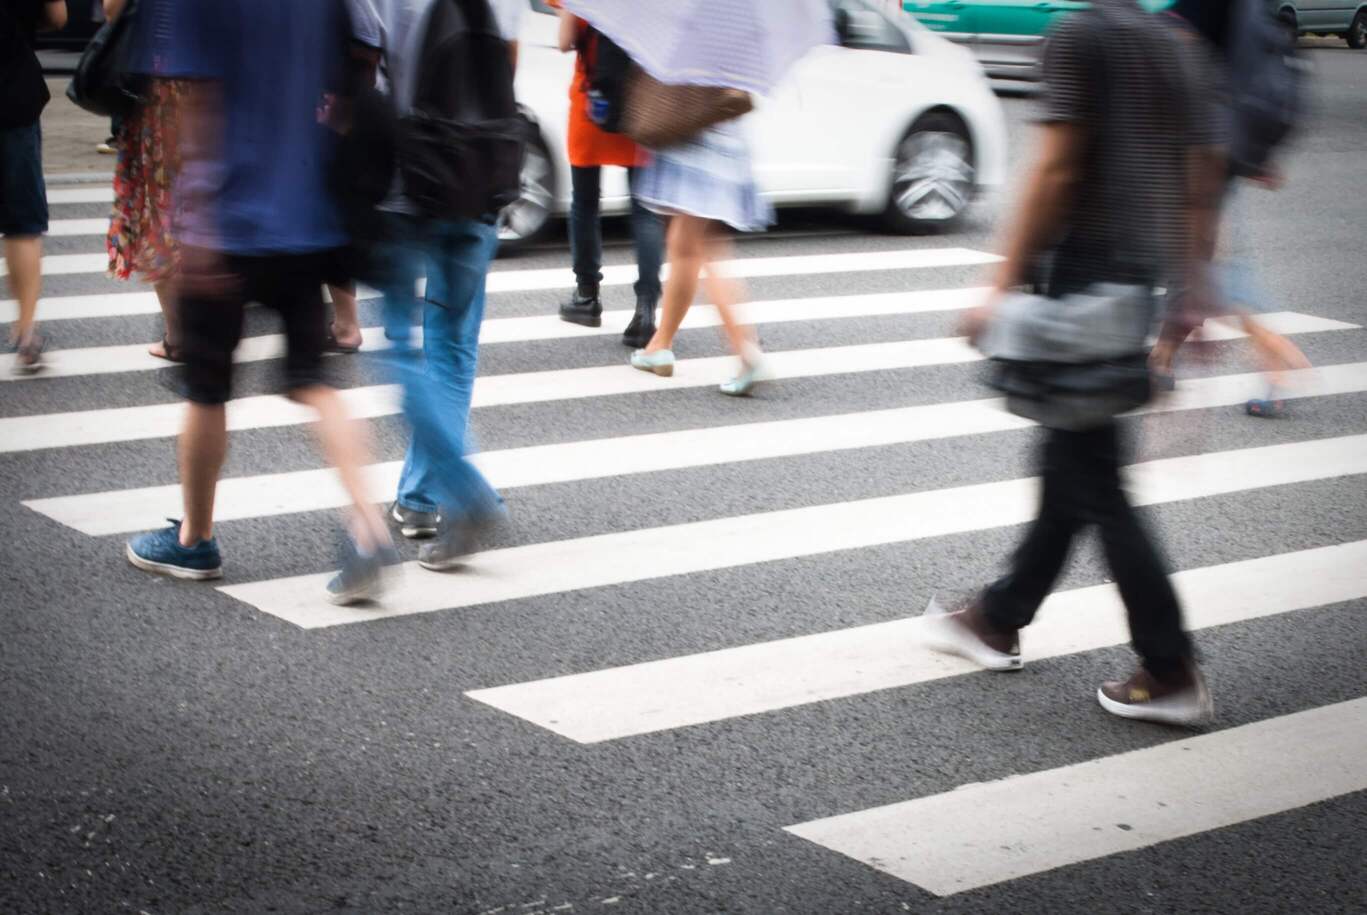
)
(1124, 76)
(25, 93)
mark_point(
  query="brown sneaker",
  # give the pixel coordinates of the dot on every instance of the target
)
(1182, 699)
(967, 633)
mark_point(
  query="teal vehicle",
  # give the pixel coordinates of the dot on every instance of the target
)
(1005, 35)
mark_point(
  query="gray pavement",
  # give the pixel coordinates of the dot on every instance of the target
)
(165, 747)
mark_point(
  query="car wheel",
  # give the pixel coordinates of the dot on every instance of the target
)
(527, 218)
(932, 176)
(1357, 32)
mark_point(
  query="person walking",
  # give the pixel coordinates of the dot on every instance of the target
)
(258, 228)
(704, 185)
(590, 149)
(141, 240)
(704, 181)
(1215, 25)
(23, 193)
(441, 495)
(1122, 169)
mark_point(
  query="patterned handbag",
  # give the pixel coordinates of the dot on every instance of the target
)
(659, 114)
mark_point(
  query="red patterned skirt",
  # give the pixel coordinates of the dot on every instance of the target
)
(141, 239)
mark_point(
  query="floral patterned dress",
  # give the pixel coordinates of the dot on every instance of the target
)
(141, 238)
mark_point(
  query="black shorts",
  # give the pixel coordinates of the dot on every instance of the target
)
(23, 195)
(289, 284)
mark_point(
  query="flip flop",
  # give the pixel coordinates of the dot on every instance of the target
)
(330, 345)
(173, 352)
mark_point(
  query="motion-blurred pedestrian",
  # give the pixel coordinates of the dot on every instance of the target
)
(141, 240)
(1107, 206)
(439, 59)
(23, 193)
(703, 180)
(590, 149)
(258, 224)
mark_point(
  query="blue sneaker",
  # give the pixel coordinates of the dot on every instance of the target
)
(161, 552)
(362, 578)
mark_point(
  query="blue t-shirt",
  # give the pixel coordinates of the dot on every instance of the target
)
(273, 61)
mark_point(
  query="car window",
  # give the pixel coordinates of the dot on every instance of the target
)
(541, 6)
(861, 27)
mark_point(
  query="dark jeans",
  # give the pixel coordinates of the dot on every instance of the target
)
(1081, 475)
(586, 235)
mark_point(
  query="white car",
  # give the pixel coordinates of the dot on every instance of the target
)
(893, 121)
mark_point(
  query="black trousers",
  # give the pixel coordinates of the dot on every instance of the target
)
(1081, 475)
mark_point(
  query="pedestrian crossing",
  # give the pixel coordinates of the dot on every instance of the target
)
(979, 835)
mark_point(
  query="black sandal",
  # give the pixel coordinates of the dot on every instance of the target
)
(330, 345)
(173, 352)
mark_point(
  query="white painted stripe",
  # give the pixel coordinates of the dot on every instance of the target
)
(625, 274)
(751, 679)
(986, 833)
(641, 555)
(100, 360)
(98, 226)
(79, 307)
(60, 264)
(123, 511)
(101, 194)
(90, 427)
(126, 424)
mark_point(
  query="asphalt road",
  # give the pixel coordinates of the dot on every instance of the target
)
(166, 747)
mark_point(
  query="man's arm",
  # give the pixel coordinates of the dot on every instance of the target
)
(569, 31)
(1048, 192)
(53, 17)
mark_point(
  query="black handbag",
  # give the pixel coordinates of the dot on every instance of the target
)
(1074, 362)
(104, 82)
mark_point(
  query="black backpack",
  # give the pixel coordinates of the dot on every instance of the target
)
(608, 68)
(460, 151)
(1266, 85)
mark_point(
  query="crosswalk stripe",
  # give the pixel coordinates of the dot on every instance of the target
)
(123, 424)
(68, 227)
(123, 511)
(99, 360)
(80, 307)
(750, 679)
(100, 194)
(62, 264)
(514, 280)
(641, 555)
(982, 834)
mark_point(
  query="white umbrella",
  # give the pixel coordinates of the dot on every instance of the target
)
(738, 44)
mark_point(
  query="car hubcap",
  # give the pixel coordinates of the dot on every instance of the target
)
(524, 216)
(933, 178)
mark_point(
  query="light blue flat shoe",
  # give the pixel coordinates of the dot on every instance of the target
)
(751, 374)
(660, 362)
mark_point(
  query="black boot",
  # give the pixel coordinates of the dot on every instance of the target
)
(584, 308)
(642, 326)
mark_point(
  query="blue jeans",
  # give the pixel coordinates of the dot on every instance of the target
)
(437, 389)
(586, 233)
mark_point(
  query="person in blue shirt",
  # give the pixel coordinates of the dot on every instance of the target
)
(257, 223)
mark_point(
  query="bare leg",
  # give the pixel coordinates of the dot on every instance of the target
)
(203, 446)
(345, 447)
(726, 293)
(166, 298)
(686, 249)
(346, 322)
(24, 257)
(1277, 354)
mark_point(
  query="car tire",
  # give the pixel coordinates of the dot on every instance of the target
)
(528, 218)
(932, 176)
(1356, 35)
